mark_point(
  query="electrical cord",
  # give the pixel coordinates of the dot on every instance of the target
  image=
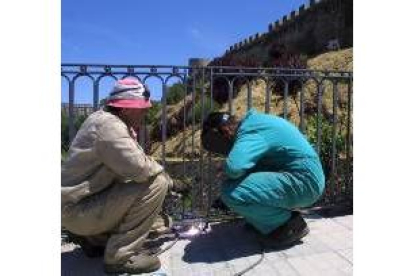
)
(250, 267)
(204, 229)
(176, 238)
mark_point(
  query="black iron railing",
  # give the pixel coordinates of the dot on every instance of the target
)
(318, 102)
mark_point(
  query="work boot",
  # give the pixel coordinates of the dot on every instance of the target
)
(89, 249)
(250, 228)
(218, 204)
(141, 263)
(161, 231)
(161, 226)
(287, 234)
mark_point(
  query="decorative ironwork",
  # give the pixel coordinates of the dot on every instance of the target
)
(83, 69)
(107, 69)
(309, 87)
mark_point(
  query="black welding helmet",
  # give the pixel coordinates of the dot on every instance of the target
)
(212, 138)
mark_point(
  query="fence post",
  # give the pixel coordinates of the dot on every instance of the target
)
(318, 118)
(348, 140)
(268, 95)
(302, 108)
(334, 129)
(71, 110)
(285, 96)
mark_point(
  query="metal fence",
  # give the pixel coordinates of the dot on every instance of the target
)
(318, 102)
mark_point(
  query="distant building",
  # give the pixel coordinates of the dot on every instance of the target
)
(78, 109)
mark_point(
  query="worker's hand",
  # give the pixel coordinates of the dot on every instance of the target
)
(181, 187)
(133, 133)
(169, 180)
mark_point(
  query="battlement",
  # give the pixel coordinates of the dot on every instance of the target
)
(319, 21)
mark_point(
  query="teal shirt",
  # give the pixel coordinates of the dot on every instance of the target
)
(267, 143)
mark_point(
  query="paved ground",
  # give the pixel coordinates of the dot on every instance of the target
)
(229, 249)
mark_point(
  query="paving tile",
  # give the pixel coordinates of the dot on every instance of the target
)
(346, 221)
(347, 254)
(326, 226)
(229, 248)
(275, 256)
(284, 268)
(303, 265)
(346, 270)
(264, 268)
(181, 271)
(299, 250)
(338, 240)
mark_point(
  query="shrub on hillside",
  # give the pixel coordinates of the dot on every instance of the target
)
(176, 93)
(64, 130)
(326, 128)
(151, 116)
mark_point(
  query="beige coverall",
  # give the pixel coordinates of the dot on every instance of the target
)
(110, 186)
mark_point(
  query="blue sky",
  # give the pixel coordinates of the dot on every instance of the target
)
(159, 32)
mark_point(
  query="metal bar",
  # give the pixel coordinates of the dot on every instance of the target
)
(164, 120)
(210, 182)
(71, 110)
(294, 75)
(201, 163)
(285, 97)
(211, 67)
(302, 108)
(267, 101)
(141, 135)
(184, 138)
(232, 74)
(147, 137)
(249, 96)
(95, 95)
(184, 124)
(348, 140)
(193, 98)
(319, 117)
(335, 119)
(230, 97)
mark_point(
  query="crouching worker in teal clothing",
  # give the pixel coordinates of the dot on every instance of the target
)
(271, 169)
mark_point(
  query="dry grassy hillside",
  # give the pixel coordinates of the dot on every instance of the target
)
(181, 143)
(338, 60)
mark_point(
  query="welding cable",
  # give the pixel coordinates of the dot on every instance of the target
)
(176, 238)
(262, 250)
(262, 254)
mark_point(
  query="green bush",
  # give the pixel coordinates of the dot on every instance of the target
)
(207, 108)
(64, 130)
(150, 118)
(176, 93)
(327, 140)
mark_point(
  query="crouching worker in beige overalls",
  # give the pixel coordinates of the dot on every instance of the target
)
(112, 193)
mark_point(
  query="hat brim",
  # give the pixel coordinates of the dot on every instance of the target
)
(128, 103)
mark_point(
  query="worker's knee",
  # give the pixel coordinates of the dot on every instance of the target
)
(229, 195)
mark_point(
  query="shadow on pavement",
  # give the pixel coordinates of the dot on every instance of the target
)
(76, 263)
(328, 211)
(225, 242)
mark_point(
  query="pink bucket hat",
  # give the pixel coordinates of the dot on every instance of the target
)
(129, 93)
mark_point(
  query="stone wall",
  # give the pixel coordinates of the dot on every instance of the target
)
(308, 30)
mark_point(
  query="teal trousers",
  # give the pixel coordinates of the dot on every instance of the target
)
(265, 199)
